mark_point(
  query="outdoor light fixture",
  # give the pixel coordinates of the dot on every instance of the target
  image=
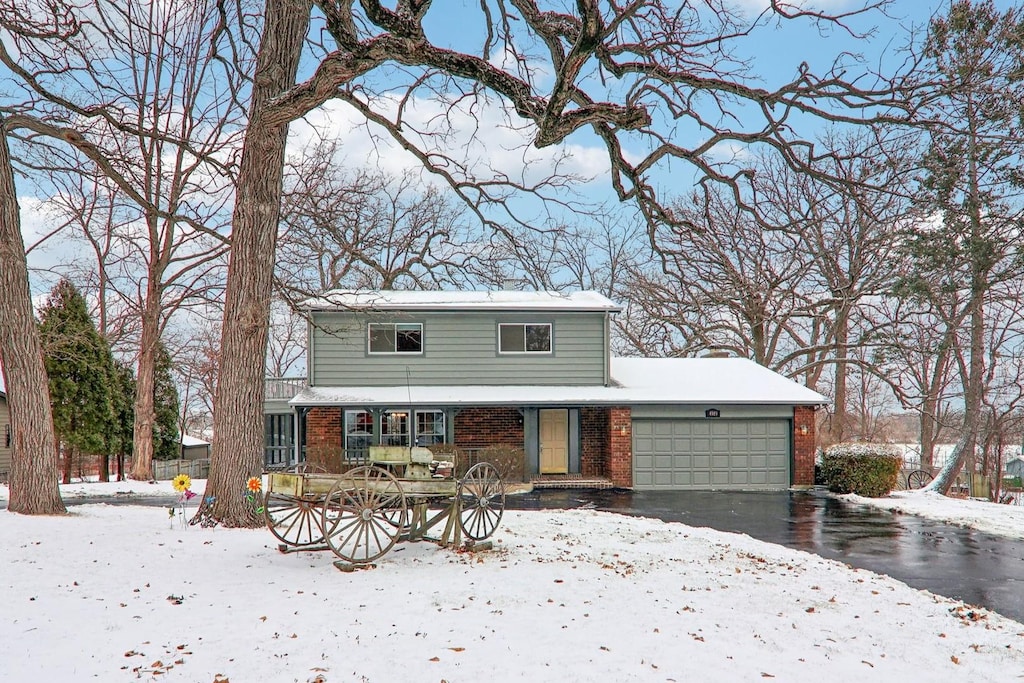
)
(804, 429)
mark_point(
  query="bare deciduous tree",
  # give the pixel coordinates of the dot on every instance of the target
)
(657, 64)
(34, 469)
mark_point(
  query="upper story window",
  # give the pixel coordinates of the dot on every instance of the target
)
(524, 338)
(396, 337)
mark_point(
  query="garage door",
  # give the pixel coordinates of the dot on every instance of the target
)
(711, 454)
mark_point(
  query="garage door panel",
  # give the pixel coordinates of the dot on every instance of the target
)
(710, 454)
(663, 428)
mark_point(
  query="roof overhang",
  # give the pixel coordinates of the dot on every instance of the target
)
(639, 381)
(499, 300)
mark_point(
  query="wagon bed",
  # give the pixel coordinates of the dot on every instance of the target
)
(362, 513)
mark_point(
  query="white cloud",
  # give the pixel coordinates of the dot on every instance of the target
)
(486, 141)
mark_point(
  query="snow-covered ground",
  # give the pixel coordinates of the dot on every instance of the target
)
(994, 518)
(125, 593)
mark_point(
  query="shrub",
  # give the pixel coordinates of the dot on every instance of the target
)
(867, 469)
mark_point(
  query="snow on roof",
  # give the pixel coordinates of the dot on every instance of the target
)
(188, 441)
(697, 381)
(349, 299)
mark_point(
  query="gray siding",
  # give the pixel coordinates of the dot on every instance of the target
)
(458, 348)
(5, 451)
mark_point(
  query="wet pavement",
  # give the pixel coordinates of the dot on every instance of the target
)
(964, 564)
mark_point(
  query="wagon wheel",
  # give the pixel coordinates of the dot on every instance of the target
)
(294, 521)
(483, 501)
(363, 514)
(918, 479)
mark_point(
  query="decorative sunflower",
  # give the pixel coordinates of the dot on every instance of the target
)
(255, 484)
(182, 483)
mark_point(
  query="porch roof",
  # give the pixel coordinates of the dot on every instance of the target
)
(698, 381)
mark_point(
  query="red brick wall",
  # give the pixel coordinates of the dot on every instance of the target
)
(803, 445)
(620, 446)
(480, 427)
(594, 437)
(323, 438)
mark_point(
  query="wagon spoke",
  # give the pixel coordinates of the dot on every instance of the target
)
(483, 501)
(292, 520)
(367, 498)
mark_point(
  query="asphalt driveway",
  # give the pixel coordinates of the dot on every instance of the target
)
(964, 564)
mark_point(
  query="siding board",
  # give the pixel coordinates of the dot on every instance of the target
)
(458, 349)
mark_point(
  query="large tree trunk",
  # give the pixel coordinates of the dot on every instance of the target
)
(238, 403)
(33, 482)
(145, 413)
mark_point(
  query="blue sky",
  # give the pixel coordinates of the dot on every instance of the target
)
(775, 52)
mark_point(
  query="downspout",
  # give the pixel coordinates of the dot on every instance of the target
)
(607, 349)
(310, 365)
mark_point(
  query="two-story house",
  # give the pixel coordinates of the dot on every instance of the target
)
(534, 370)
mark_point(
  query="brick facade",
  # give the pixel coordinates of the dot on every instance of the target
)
(804, 445)
(480, 427)
(620, 447)
(323, 438)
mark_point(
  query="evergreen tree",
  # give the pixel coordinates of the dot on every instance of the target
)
(166, 441)
(80, 366)
(121, 435)
(972, 183)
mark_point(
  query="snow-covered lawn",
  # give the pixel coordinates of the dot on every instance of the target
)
(124, 593)
(994, 518)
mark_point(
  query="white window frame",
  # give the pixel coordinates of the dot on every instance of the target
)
(387, 437)
(356, 434)
(394, 327)
(525, 349)
(416, 426)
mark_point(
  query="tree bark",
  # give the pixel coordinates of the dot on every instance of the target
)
(145, 412)
(237, 451)
(34, 471)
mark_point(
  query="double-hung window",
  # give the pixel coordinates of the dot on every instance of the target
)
(429, 427)
(396, 337)
(524, 338)
(358, 434)
(394, 428)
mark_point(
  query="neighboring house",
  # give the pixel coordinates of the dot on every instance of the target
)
(5, 436)
(1014, 468)
(193, 448)
(534, 370)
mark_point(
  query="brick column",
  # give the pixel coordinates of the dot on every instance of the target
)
(323, 438)
(620, 447)
(804, 445)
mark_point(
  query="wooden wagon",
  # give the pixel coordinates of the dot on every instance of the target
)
(362, 513)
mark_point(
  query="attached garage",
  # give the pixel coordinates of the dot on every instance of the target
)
(678, 454)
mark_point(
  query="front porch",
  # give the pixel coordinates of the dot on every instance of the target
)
(570, 481)
(583, 447)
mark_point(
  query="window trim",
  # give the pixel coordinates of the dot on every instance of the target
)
(526, 351)
(416, 426)
(383, 421)
(394, 327)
